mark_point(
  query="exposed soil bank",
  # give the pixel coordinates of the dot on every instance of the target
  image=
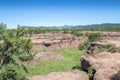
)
(72, 75)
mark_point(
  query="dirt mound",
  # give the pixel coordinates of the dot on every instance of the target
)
(44, 42)
(111, 41)
(105, 64)
(73, 75)
(111, 35)
(46, 56)
(55, 41)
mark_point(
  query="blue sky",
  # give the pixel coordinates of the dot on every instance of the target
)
(58, 12)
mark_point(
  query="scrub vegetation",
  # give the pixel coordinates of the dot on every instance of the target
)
(16, 51)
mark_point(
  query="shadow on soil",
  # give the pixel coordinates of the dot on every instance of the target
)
(116, 76)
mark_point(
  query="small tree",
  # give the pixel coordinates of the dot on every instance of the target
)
(13, 50)
(2, 29)
(91, 72)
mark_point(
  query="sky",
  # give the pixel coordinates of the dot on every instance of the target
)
(58, 12)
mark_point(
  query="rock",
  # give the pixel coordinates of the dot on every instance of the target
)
(105, 64)
(72, 75)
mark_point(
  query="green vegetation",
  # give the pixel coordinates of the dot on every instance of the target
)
(90, 72)
(2, 30)
(71, 61)
(11, 73)
(84, 45)
(94, 36)
(77, 33)
(109, 47)
(73, 29)
(91, 37)
(13, 50)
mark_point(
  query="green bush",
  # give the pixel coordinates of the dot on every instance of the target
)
(76, 33)
(2, 30)
(90, 72)
(13, 51)
(9, 73)
(84, 45)
(94, 36)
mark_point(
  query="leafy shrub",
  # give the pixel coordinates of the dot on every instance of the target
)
(94, 36)
(76, 33)
(9, 73)
(2, 30)
(13, 51)
(84, 45)
(90, 72)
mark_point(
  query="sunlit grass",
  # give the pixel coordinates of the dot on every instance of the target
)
(71, 61)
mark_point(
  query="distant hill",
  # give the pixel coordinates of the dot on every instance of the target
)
(104, 25)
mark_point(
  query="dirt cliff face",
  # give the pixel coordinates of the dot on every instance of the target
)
(43, 42)
(111, 35)
(105, 64)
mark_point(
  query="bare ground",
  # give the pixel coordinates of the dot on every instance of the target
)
(46, 56)
(105, 62)
(71, 75)
(42, 42)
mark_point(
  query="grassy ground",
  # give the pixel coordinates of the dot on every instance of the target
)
(71, 61)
